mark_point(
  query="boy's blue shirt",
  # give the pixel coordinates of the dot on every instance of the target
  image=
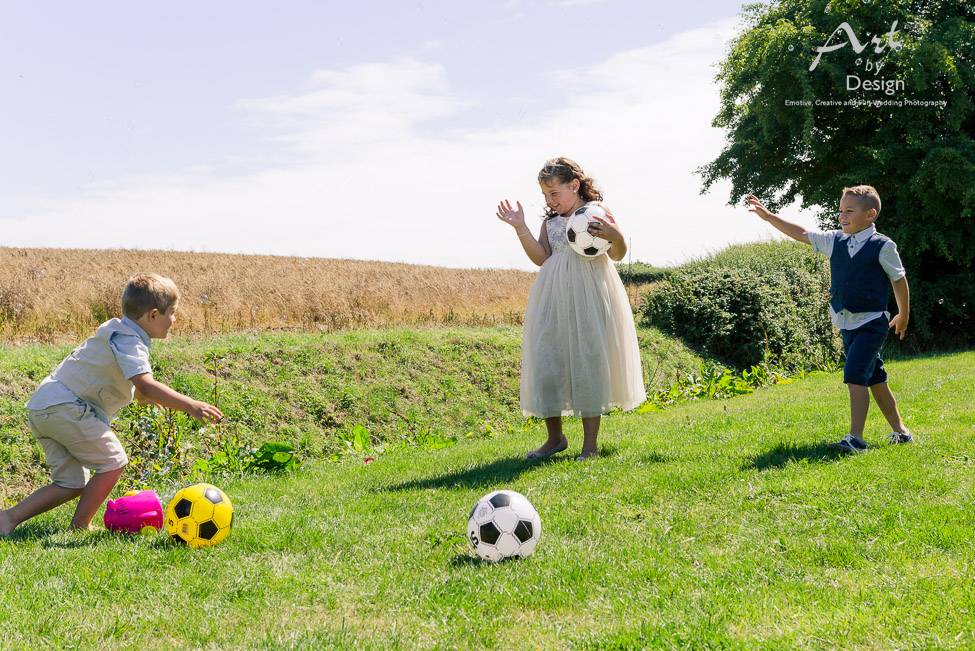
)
(131, 353)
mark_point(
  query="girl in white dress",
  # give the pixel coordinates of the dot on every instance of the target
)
(579, 347)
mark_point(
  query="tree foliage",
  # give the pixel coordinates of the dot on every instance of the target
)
(788, 141)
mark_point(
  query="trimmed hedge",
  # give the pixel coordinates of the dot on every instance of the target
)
(749, 301)
(641, 273)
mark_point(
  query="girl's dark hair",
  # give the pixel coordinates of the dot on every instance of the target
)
(564, 170)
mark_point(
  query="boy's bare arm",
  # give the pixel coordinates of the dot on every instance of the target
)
(793, 230)
(141, 399)
(159, 394)
(902, 294)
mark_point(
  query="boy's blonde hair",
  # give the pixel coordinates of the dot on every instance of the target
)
(147, 291)
(865, 195)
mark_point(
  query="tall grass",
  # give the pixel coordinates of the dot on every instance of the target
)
(47, 292)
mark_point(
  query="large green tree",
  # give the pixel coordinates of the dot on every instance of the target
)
(807, 112)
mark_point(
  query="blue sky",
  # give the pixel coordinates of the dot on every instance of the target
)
(369, 130)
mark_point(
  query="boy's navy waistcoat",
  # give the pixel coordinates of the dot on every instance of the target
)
(858, 284)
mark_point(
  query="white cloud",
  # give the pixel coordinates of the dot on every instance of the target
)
(362, 105)
(372, 174)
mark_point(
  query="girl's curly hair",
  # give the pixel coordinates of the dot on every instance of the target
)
(564, 170)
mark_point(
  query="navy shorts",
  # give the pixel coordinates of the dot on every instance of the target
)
(862, 347)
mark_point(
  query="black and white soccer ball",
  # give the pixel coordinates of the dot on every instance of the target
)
(504, 524)
(577, 232)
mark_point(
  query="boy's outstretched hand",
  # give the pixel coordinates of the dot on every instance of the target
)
(899, 324)
(204, 412)
(758, 207)
(793, 230)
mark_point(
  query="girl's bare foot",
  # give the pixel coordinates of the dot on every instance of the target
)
(586, 455)
(548, 449)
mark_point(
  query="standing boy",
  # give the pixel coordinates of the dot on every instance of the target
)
(861, 263)
(71, 411)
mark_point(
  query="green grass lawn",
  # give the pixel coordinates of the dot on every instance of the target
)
(712, 525)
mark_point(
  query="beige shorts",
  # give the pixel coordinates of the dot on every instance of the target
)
(74, 440)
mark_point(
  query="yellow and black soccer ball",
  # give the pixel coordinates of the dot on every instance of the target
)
(199, 516)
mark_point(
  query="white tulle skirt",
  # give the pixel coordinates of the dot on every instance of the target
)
(579, 348)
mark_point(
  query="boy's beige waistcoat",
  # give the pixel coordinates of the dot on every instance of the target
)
(93, 374)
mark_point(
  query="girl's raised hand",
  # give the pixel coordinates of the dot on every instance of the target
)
(509, 215)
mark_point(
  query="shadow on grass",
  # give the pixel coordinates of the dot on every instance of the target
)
(156, 541)
(493, 474)
(50, 536)
(31, 530)
(783, 454)
(490, 474)
(655, 457)
(466, 560)
(77, 541)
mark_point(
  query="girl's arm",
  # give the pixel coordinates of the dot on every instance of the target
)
(538, 250)
(543, 241)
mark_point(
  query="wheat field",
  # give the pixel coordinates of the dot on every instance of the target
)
(52, 294)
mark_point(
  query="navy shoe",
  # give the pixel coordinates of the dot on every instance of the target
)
(849, 444)
(900, 437)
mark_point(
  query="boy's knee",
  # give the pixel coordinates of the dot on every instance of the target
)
(858, 391)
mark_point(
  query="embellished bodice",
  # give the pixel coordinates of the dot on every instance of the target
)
(555, 226)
